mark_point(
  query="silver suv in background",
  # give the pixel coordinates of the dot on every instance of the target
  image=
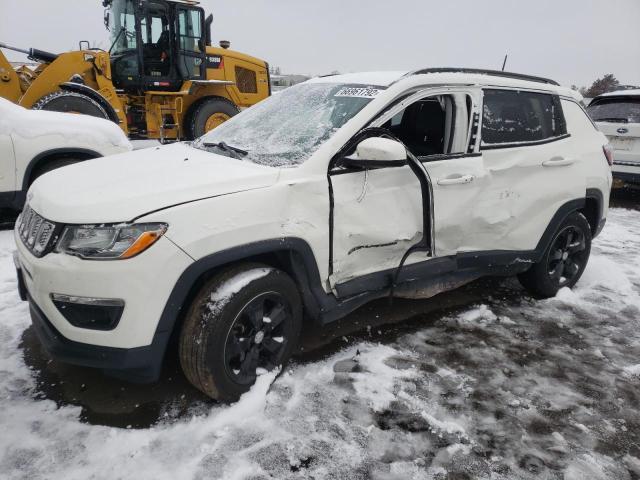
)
(617, 115)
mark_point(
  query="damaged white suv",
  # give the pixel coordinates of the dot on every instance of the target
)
(302, 208)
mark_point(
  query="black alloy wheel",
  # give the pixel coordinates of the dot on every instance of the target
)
(258, 337)
(564, 259)
(243, 322)
(566, 256)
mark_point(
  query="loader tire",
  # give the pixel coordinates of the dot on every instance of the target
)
(209, 114)
(71, 102)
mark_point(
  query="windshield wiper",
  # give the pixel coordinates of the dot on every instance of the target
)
(227, 148)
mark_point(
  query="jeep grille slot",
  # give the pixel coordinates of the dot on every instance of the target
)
(35, 231)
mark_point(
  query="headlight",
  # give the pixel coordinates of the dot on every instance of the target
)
(109, 242)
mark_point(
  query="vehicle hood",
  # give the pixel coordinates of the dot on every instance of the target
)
(123, 187)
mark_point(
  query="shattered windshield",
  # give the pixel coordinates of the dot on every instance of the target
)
(287, 128)
(623, 110)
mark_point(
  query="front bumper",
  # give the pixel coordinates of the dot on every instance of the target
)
(135, 347)
(143, 283)
(139, 365)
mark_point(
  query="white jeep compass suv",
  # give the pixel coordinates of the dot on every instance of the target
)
(304, 207)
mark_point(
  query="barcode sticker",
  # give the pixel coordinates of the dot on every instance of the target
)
(359, 92)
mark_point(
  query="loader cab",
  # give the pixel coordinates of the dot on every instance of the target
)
(156, 44)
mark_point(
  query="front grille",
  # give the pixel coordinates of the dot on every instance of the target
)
(36, 233)
(246, 80)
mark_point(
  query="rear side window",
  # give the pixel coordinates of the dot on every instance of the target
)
(512, 116)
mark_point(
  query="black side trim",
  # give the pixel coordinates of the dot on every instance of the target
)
(524, 144)
(137, 365)
(598, 196)
(49, 153)
(93, 95)
(447, 156)
(382, 280)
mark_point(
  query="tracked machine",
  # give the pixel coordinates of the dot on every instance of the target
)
(160, 79)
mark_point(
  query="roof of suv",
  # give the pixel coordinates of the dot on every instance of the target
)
(451, 76)
(621, 93)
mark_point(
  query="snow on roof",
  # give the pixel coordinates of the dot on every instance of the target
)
(618, 93)
(385, 79)
(381, 79)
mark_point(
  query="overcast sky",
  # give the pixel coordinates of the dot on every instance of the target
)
(572, 41)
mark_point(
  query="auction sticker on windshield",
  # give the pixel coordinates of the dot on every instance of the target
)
(359, 92)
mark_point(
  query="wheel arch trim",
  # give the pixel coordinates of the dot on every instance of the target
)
(595, 194)
(305, 274)
(36, 161)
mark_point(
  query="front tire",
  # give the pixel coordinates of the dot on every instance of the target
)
(243, 321)
(564, 260)
(71, 102)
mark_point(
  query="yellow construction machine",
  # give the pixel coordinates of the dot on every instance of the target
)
(160, 79)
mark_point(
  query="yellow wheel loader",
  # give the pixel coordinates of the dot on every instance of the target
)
(160, 79)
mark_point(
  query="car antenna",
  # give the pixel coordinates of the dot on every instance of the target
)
(504, 64)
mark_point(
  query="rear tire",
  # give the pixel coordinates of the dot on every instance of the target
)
(564, 260)
(243, 319)
(71, 102)
(209, 114)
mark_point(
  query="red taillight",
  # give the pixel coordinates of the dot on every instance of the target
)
(608, 153)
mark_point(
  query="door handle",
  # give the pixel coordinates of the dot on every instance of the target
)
(558, 162)
(456, 180)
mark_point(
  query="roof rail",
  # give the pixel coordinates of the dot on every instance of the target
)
(495, 73)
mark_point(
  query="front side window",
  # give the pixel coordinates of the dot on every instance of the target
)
(513, 116)
(286, 129)
(615, 109)
(436, 125)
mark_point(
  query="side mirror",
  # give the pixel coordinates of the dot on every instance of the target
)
(377, 152)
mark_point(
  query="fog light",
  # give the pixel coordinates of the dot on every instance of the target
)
(88, 312)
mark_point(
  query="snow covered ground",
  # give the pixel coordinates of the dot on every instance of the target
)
(512, 388)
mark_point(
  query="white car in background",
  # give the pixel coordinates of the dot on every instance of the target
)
(617, 115)
(34, 142)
